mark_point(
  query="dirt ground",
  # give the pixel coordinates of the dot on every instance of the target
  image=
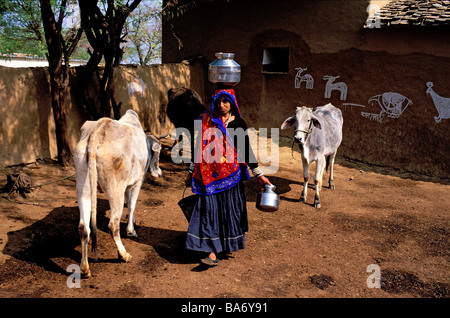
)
(397, 221)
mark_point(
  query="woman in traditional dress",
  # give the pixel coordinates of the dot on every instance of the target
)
(219, 220)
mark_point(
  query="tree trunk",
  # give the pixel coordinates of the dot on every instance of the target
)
(60, 117)
(103, 31)
(58, 83)
(58, 48)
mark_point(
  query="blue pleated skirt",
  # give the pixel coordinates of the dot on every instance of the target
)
(219, 221)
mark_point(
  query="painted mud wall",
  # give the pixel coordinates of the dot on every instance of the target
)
(27, 130)
(389, 118)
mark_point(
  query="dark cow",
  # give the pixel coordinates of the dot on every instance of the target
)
(184, 106)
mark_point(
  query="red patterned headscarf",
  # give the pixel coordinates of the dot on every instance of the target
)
(217, 167)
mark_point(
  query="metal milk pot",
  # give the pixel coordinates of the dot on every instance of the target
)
(268, 200)
(224, 70)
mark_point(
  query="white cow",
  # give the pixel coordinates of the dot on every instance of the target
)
(318, 134)
(114, 154)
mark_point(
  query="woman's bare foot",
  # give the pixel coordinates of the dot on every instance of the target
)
(211, 260)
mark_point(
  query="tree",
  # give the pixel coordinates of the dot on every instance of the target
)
(104, 31)
(30, 27)
(59, 48)
(173, 9)
(21, 28)
(144, 34)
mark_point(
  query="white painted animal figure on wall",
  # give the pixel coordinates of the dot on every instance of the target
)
(339, 86)
(442, 104)
(392, 105)
(307, 78)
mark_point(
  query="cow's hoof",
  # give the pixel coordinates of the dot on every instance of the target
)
(86, 274)
(302, 199)
(127, 258)
(332, 185)
(317, 204)
(132, 234)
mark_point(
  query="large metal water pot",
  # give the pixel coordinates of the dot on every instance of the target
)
(224, 70)
(267, 200)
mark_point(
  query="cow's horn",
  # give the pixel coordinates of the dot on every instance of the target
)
(163, 136)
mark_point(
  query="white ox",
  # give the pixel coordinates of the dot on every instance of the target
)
(318, 134)
(114, 154)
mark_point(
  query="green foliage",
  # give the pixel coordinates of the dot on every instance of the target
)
(21, 28)
(174, 10)
(144, 34)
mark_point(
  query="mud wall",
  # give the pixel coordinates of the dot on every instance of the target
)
(327, 39)
(389, 118)
(27, 130)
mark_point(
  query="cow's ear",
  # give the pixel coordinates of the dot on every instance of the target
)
(316, 122)
(288, 123)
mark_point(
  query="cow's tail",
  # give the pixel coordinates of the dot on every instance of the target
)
(94, 141)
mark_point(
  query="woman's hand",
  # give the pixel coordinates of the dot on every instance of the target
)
(188, 180)
(263, 181)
